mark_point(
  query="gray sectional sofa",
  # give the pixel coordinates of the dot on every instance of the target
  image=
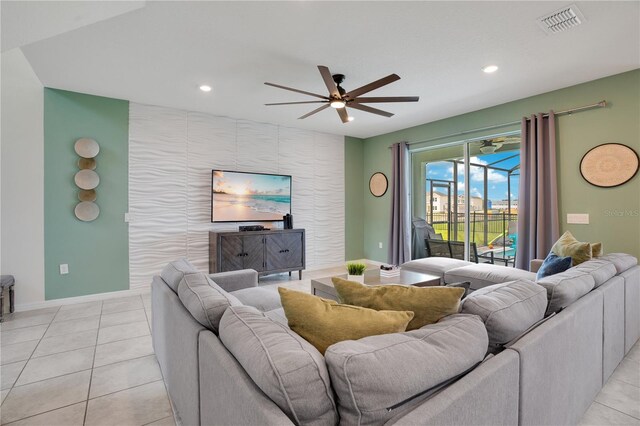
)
(519, 352)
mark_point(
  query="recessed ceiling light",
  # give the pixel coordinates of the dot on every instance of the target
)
(350, 118)
(490, 68)
(205, 88)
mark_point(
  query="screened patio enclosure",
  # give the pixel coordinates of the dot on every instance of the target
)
(493, 203)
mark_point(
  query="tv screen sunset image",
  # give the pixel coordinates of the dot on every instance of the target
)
(248, 197)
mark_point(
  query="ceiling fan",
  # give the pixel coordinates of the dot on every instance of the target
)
(489, 146)
(340, 99)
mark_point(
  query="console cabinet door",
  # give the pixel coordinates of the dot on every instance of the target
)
(253, 249)
(284, 251)
(231, 253)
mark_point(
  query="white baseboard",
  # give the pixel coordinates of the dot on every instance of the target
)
(136, 291)
(81, 299)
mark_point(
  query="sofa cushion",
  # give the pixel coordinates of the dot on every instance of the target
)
(507, 309)
(554, 264)
(278, 316)
(428, 304)
(376, 373)
(483, 274)
(264, 299)
(567, 245)
(601, 270)
(172, 273)
(324, 322)
(204, 299)
(621, 261)
(565, 288)
(289, 370)
(434, 265)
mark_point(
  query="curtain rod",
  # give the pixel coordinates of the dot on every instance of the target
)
(600, 104)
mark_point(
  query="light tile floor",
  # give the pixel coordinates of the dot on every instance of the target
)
(93, 364)
(82, 364)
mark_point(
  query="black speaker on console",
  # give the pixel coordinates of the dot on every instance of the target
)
(288, 221)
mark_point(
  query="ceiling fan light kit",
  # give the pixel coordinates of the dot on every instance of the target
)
(340, 99)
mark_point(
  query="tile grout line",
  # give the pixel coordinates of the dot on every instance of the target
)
(44, 412)
(129, 388)
(95, 350)
(29, 359)
(157, 420)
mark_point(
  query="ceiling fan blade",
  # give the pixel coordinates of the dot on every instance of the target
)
(372, 86)
(369, 109)
(328, 81)
(314, 111)
(342, 112)
(365, 100)
(296, 103)
(296, 90)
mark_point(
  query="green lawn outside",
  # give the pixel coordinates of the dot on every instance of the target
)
(477, 236)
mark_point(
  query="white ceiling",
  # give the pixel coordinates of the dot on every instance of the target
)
(25, 22)
(161, 53)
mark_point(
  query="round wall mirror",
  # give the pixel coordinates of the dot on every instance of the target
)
(378, 184)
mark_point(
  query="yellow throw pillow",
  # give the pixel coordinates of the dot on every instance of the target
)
(324, 322)
(429, 304)
(580, 252)
(596, 249)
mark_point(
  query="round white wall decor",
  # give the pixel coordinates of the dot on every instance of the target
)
(87, 179)
(87, 211)
(86, 148)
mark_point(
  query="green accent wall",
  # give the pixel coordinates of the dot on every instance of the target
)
(614, 212)
(354, 190)
(97, 252)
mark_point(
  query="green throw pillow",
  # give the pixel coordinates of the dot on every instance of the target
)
(429, 304)
(324, 322)
(580, 252)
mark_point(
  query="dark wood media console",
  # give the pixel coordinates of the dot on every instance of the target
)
(268, 252)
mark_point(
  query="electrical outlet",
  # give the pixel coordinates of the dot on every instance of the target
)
(578, 218)
(64, 269)
(380, 244)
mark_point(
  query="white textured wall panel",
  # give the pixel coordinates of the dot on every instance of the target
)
(211, 143)
(157, 189)
(171, 155)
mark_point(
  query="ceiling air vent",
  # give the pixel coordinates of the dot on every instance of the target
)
(561, 20)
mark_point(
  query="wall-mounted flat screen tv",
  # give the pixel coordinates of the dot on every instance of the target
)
(249, 197)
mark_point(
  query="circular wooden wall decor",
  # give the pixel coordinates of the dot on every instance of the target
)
(378, 184)
(609, 165)
(87, 163)
(87, 195)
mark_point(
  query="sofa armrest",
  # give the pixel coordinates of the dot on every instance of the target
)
(236, 280)
(535, 265)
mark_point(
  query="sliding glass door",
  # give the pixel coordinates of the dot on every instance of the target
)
(467, 195)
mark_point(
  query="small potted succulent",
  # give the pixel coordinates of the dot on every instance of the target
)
(355, 271)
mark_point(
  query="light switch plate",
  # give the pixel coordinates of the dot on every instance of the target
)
(64, 269)
(578, 218)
